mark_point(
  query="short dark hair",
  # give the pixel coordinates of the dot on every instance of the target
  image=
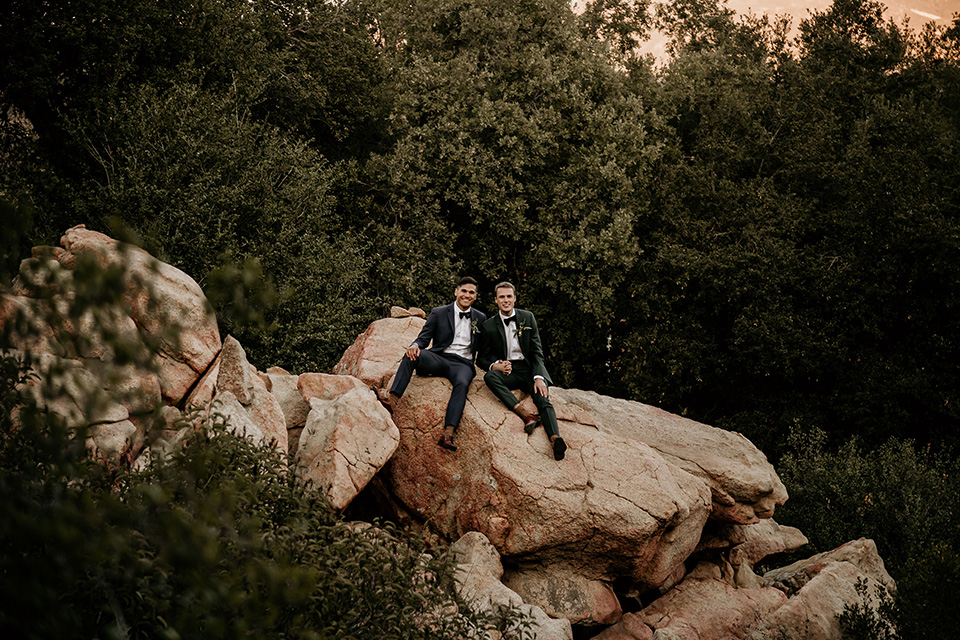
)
(504, 285)
(466, 280)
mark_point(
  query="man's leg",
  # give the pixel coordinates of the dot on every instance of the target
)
(439, 365)
(545, 408)
(428, 364)
(402, 379)
(460, 374)
(501, 385)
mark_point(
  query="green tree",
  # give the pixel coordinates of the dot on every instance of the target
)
(518, 155)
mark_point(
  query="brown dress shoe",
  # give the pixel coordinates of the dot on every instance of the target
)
(446, 441)
(387, 399)
(530, 420)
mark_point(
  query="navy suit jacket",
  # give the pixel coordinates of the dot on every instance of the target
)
(440, 328)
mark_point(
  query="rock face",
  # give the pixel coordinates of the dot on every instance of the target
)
(478, 582)
(239, 377)
(564, 594)
(822, 586)
(798, 601)
(744, 486)
(160, 297)
(611, 508)
(702, 607)
(374, 357)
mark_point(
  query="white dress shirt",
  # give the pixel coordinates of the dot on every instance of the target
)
(513, 342)
(461, 334)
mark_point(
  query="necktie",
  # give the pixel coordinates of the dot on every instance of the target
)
(464, 314)
(509, 320)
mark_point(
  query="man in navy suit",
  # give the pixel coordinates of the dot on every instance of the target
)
(453, 330)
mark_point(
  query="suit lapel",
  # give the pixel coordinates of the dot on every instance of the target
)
(503, 337)
(451, 325)
(522, 338)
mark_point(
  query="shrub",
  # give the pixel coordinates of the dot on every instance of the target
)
(903, 498)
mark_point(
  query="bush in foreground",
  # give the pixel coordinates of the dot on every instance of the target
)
(220, 540)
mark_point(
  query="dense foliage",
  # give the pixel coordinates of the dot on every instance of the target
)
(762, 232)
(906, 500)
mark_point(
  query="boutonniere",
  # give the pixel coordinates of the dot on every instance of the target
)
(521, 327)
(474, 327)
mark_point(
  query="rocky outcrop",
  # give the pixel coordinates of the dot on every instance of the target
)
(802, 600)
(821, 587)
(704, 606)
(648, 509)
(612, 507)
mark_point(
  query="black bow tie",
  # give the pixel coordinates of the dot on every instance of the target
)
(509, 320)
(464, 314)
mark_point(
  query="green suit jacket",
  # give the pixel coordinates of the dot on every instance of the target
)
(492, 342)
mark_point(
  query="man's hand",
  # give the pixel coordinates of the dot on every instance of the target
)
(539, 386)
(503, 366)
(413, 352)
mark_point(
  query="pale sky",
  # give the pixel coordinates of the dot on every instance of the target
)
(917, 12)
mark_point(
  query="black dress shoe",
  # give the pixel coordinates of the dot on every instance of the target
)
(559, 448)
(531, 424)
(447, 442)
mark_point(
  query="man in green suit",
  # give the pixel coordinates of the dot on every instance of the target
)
(510, 352)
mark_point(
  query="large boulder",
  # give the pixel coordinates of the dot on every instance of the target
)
(345, 442)
(564, 594)
(820, 588)
(743, 483)
(376, 353)
(611, 508)
(230, 372)
(704, 606)
(228, 407)
(478, 575)
(160, 298)
(68, 390)
(285, 388)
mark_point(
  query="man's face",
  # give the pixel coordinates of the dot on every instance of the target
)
(506, 298)
(465, 294)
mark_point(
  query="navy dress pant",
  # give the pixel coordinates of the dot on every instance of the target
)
(459, 371)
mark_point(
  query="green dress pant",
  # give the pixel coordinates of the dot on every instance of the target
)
(521, 377)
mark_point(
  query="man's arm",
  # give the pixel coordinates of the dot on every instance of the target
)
(426, 334)
(485, 348)
(535, 354)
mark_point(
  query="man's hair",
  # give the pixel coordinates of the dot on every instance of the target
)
(504, 285)
(466, 280)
